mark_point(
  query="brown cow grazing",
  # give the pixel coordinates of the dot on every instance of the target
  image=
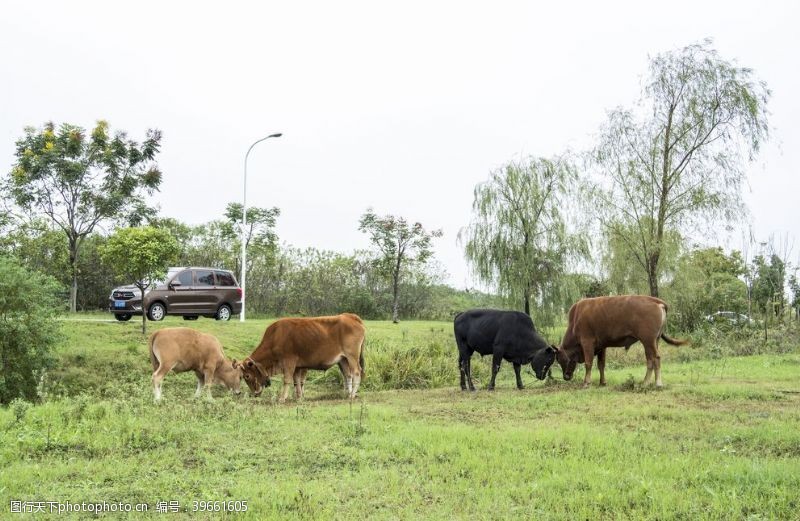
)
(181, 349)
(601, 322)
(292, 346)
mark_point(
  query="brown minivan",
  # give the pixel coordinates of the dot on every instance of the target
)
(190, 291)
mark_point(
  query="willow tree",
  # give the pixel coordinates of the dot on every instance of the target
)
(677, 160)
(518, 241)
(619, 263)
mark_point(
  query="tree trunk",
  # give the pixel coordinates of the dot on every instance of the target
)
(652, 274)
(144, 311)
(395, 299)
(73, 266)
(396, 287)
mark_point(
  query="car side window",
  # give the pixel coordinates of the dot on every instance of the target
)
(205, 277)
(224, 278)
(185, 278)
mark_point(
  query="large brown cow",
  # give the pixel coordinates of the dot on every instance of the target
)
(182, 349)
(292, 346)
(601, 322)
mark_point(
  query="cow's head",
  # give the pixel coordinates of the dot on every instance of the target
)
(542, 360)
(255, 375)
(229, 373)
(567, 363)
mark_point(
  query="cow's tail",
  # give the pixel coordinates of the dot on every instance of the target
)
(674, 341)
(153, 359)
(361, 358)
(668, 339)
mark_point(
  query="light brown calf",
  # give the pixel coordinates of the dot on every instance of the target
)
(182, 349)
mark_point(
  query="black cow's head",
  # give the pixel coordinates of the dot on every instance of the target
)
(542, 360)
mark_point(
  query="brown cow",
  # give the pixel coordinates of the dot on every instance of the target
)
(181, 349)
(292, 346)
(601, 322)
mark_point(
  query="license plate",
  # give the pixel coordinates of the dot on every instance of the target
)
(119, 303)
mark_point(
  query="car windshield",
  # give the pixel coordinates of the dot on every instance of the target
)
(170, 273)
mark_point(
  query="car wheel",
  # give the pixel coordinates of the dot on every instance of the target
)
(224, 312)
(190, 317)
(123, 317)
(156, 312)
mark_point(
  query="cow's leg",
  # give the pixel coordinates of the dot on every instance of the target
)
(517, 367)
(466, 363)
(201, 381)
(650, 356)
(463, 354)
(208, 379)
(158, 377)
(303, 383)
(288, 379)
(348, 380)
(587, 344)
(356, 383)
(657, 368)
(656, 361)
(465, 368)
(343, 369)
(299, 380)
(497, 358)
(355, 375)
(601, 365)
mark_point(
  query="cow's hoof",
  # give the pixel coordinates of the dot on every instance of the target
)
(602, 384)
(490, 388)
(520, 387)
(586, 385)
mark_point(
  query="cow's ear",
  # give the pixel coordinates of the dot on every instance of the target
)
(249, 363)
(234, 363)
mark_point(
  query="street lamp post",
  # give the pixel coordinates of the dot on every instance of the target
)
(244, 224)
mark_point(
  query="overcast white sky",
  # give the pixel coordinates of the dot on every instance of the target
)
(402, 106)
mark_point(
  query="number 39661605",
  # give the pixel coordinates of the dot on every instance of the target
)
(219, 506)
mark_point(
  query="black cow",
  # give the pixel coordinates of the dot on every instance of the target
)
(508, 335)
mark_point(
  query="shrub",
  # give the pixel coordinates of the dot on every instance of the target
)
(28, 329)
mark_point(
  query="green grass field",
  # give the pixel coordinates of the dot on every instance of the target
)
(720, 441)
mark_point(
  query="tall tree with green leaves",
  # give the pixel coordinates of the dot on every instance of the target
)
(623, 271)
(518, 240)
(78, 180)
(259, 237)
(142, 255)
(768, 285)
(794, 286)
(677, 159)
(399, 244)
